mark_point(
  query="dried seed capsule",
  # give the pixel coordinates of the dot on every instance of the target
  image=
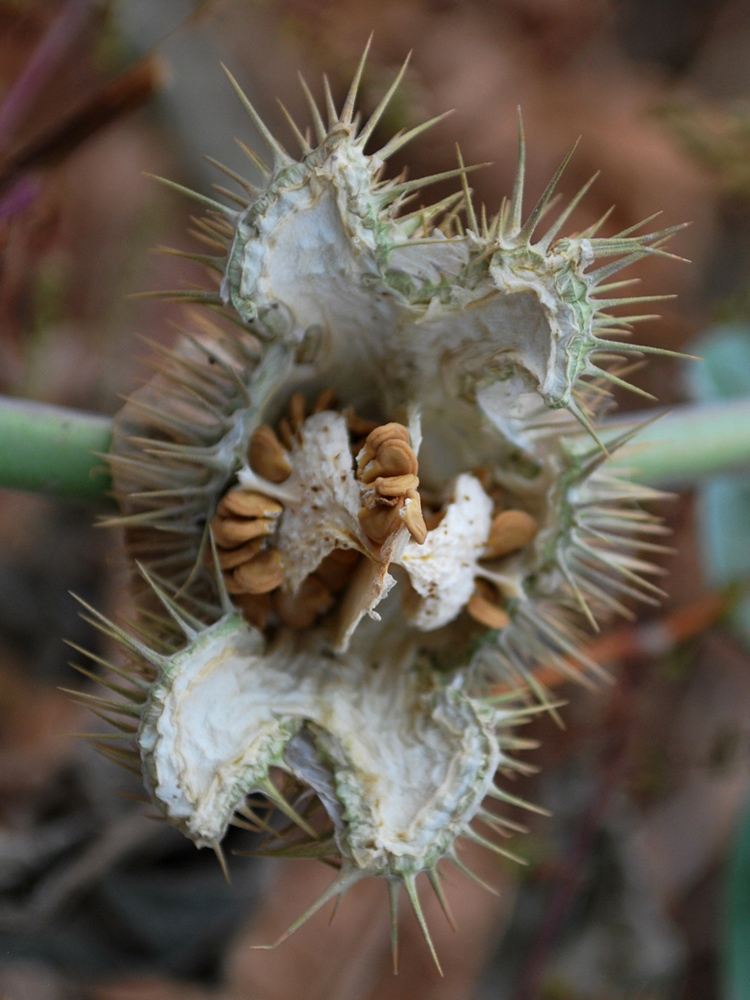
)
(267, 455)
(483, 608)
(510, 531)
(244, 503)
(261, 574)
(313, 598)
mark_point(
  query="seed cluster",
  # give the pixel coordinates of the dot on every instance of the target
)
(251, 569)
(388, 466)
(246, 520)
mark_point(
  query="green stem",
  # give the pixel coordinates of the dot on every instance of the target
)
(50, 450)
(688, 443)
(53, 450)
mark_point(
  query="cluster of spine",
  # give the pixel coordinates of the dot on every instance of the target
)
(568, 547)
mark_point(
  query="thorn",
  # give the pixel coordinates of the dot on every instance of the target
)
(592, 230)
(280, 156)
(563, 217)
(377, 114)
(109, 628)
(434, 876)
(582, 419)
(457, 863)
(304, 145)
(391, 193)
(582, 602)
(644, 349)
(526, 232)
(333, 115)
(393, 891)
(272, 792)
(260, 165)
(399, 141)
(496, 793)
(615, 380)
(471, 217)
(347, 112)
(216, 847)
(188, 631)
(320, 129)
(483, 842)
(411, 891)
(337, 904)
(515, 209)
(343, 881)
(227, 606)
(130, 677)
(189, 193)
(246, 186)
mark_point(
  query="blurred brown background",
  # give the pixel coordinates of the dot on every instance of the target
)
(622, 894)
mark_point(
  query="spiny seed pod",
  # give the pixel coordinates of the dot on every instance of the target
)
(396, 389)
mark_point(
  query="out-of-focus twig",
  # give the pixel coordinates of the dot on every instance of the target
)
(124, 93)
(42, 65)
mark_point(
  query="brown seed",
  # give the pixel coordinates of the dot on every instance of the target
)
(297, 410)
(255, 607)
(232, 586)
(336, 569)
(377, 438)
(510, 531)
(231, 558)
(300, 610)
(387, 432)
(395, 486)
(358, 426)
(412, 515)
(285, 433)
(229, 532)
(244, 503)
(267, 456)
(483, 609)
(260, 575)
(397, 458)
(325, 401)
(380, 521)
(394, 458)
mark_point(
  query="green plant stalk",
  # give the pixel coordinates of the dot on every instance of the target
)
(54, 450)
(687, 443)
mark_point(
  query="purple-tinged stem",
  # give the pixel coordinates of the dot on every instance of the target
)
(41, 66)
